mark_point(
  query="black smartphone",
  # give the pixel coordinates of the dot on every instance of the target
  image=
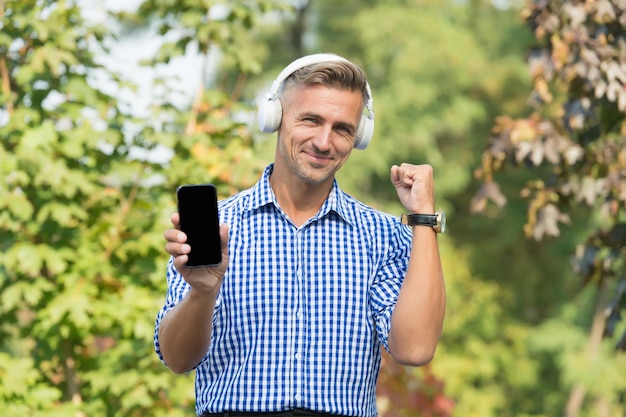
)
(197, 210)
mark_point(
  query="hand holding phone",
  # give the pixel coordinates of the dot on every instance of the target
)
(197, 210)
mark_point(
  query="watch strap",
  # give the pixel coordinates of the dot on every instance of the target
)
(415, 219)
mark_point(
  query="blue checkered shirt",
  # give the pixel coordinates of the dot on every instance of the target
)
(302, 312)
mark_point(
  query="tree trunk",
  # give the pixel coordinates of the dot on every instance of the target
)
(578, 392)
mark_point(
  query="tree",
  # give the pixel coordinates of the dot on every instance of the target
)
(574, 140)
(78, 229)
(82, 210)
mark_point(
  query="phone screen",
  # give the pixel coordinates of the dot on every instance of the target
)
(197, 209)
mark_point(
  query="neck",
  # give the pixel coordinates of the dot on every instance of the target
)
(299, 200)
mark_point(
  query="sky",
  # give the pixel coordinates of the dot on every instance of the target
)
(124, 58)
(126, 54)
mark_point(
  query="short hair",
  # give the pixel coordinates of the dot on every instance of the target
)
(342, 75)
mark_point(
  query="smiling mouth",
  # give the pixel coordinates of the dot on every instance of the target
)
(318, 160)
(317, 156)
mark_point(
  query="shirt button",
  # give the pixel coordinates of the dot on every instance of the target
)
(297, 397)
(297, 356)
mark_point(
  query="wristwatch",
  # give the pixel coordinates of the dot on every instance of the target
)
(437, 221)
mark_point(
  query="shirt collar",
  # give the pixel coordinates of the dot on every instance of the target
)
(262, 194)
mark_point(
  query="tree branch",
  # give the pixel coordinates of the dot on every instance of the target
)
(6, 81)
(577, 395)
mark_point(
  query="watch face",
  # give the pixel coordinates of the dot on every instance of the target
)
(441, 221)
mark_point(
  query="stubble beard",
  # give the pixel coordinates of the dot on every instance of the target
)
(304, 171)
(310, 175)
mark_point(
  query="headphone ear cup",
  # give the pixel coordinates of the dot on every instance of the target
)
(270, 114)
(364, 132)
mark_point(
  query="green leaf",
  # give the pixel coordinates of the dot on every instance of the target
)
(39, 138)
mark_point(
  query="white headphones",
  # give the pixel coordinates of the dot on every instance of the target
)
(271, 111)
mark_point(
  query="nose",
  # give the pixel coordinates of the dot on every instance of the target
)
(323, 138)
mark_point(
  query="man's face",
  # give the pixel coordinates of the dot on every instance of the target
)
(317, 132)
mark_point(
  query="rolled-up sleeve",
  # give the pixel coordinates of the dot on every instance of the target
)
(388, 281)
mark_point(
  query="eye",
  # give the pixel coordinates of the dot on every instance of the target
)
(309, 120)
(344, 130)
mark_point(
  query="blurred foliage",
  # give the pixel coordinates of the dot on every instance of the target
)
(83, 204)
(79, 228)
(86, 192)
(574, 141)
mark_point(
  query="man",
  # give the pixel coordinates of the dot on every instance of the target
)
(312, 281)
